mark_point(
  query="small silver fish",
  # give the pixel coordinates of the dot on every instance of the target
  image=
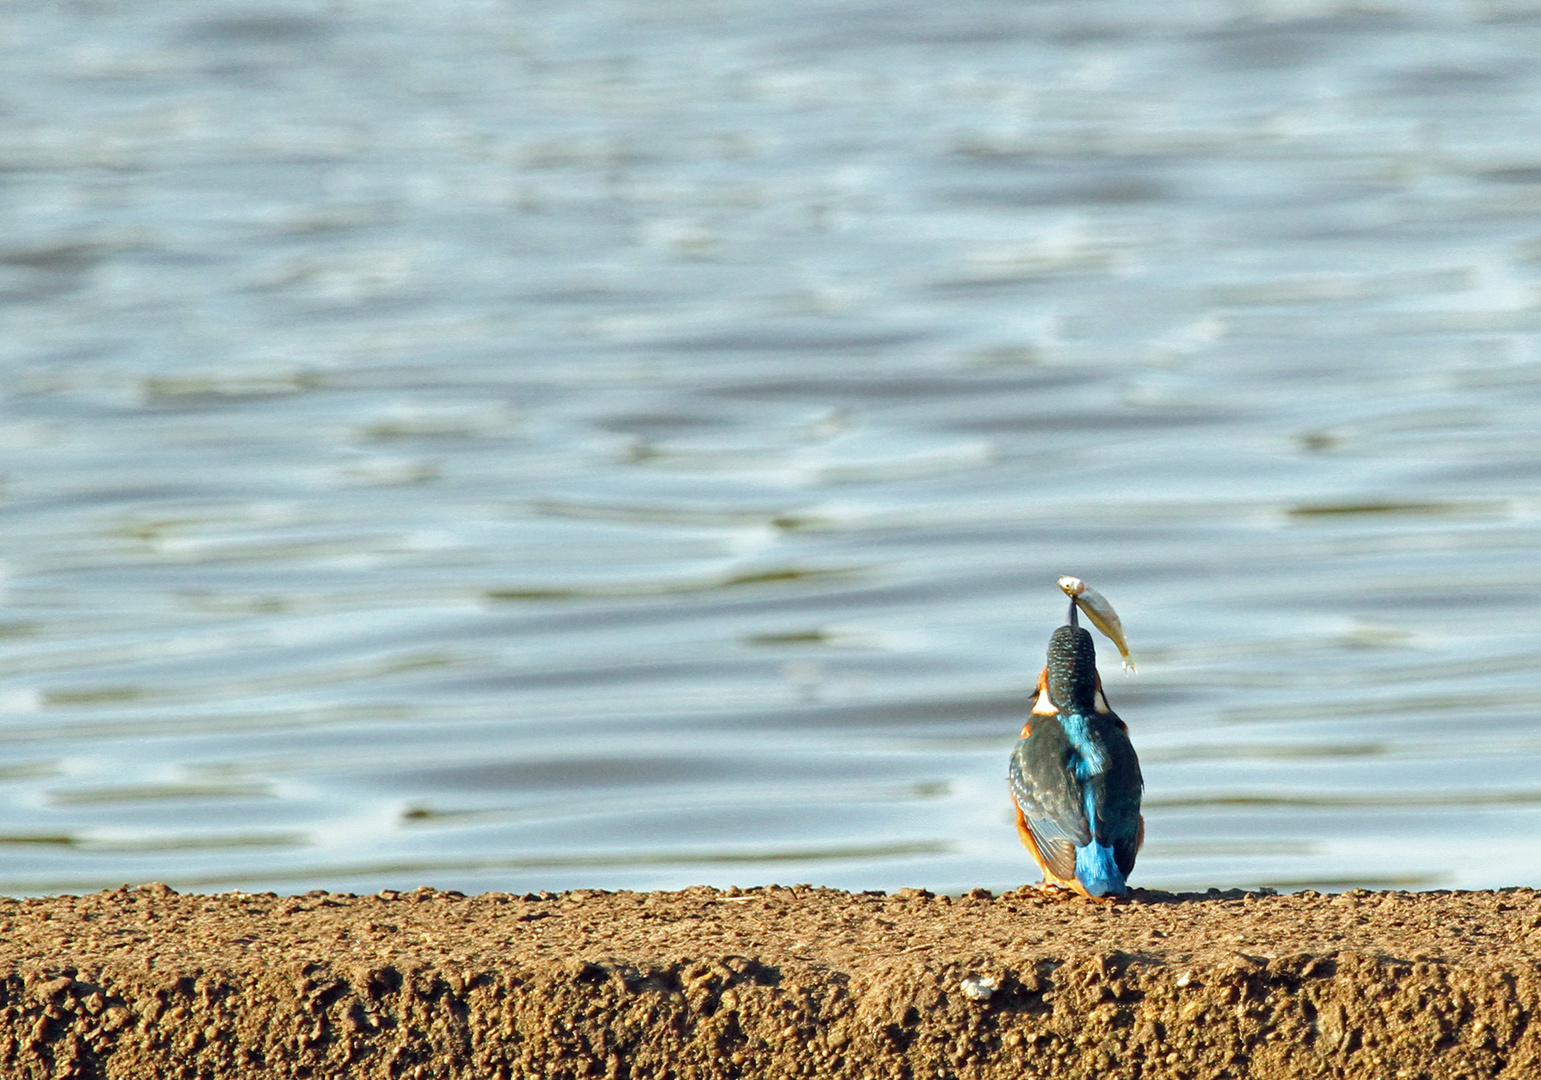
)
(1101, 613)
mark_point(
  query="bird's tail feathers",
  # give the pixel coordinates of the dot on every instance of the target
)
(1097, 870)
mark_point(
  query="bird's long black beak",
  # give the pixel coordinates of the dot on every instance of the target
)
(1075, 615)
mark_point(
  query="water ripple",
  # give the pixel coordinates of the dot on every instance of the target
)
(591, 446)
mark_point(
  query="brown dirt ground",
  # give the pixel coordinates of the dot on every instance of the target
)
(774, 982)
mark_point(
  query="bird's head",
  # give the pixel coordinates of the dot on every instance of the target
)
(1071, 674)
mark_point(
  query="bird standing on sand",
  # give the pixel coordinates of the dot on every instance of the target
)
(1075, 778)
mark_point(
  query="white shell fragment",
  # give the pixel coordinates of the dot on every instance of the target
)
(1095, 607)
(979, 987)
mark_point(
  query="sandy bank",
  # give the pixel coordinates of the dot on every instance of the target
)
(770, 982)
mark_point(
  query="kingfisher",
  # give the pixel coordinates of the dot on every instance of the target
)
(1075, 778)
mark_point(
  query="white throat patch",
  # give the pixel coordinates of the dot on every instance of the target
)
(1044, 707)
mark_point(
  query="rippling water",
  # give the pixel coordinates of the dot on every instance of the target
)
(633, 444)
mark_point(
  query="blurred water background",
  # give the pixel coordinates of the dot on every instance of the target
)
(505, 445)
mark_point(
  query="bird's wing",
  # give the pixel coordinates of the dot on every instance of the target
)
(1118, 811)
(1050, 797)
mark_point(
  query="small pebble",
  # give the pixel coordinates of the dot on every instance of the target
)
(979, 987)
